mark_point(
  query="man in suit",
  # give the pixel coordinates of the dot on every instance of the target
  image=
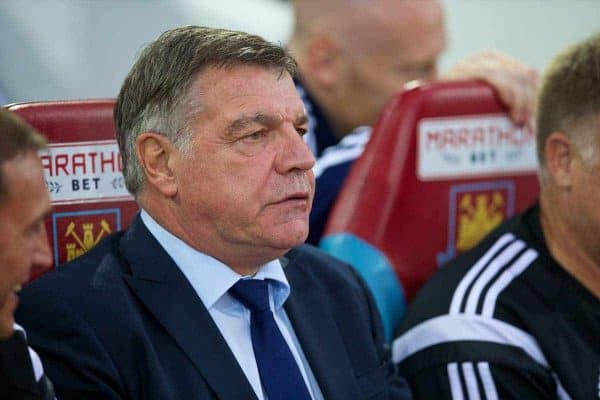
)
(207, 294)
(24, 202)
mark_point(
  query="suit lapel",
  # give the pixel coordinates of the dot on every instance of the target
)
(318, 334)
(162, 287)
(16, 370)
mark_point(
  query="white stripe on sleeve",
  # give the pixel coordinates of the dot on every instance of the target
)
(459, 293)
(470, 381)
(334, 158)
(454, 379)
(488, 274)
(489, 387)
(456, 328)
(349, 149)
(505, 279)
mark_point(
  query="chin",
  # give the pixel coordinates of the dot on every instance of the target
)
(6, 327)
(7, 319)
(288, 239)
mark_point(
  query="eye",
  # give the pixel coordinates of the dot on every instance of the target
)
(255, 136)
(35, 228)
(301, 131)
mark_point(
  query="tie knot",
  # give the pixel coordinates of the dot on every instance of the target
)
(252, 293)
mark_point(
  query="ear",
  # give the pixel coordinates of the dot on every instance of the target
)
(156, 154)
(560, 155)
(324, 61)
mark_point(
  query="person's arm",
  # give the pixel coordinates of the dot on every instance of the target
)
(477, 370)
(515, 82)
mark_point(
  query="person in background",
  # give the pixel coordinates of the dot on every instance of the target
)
(24, 202)
(353, 55)
(518, 317)
(208, 294)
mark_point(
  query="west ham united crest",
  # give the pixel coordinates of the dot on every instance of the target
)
(74, 233)
(474, 210)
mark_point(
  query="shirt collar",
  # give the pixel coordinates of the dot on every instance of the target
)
(210, 278)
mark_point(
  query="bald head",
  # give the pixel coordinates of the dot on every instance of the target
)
(311, 15)
(364, 50)
(356, 19)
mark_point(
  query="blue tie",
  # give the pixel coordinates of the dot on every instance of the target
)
(278, 370)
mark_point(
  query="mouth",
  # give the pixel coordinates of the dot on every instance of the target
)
(11, 300)
(298, 197)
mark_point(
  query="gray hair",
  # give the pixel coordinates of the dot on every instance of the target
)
(154, 95)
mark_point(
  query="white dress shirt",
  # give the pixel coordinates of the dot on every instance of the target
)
(211, 279)
(38, 370)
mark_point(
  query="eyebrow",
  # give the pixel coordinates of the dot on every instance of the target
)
(301, 119)
(243, 122)
(41, 218)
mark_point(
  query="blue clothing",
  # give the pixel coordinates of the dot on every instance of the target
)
(279, 373)
(211, 280)
(334, 159)
(123, 322)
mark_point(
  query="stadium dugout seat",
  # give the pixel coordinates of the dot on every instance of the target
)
(82, 168)
(444, 165)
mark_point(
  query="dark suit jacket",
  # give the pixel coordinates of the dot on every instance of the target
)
(122, 322)
(17, 380)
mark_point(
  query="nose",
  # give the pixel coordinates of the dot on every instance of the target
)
(41, 256)
(294, 153)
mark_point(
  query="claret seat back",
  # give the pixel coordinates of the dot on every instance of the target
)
(444, 166)
(83, 172)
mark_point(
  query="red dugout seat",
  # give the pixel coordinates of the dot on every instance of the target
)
(444, 165)
(83, 172)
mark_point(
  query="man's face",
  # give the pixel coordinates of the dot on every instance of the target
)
(246, 185)
(403, 43)
(23, 240)
(584, 212)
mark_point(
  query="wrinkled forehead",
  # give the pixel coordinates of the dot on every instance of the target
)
(246, 91)
(267, 110)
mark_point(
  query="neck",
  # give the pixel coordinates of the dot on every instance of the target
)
(574, 249)
(245, 259)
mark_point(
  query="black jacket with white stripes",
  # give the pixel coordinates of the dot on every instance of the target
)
(503, 321)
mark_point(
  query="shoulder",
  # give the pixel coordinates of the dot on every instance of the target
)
(82, 271)
(473, 282)
(333, 285)
(337, 159)
(464, 312)
(82, 284)
(319, 281)
(85, 300)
